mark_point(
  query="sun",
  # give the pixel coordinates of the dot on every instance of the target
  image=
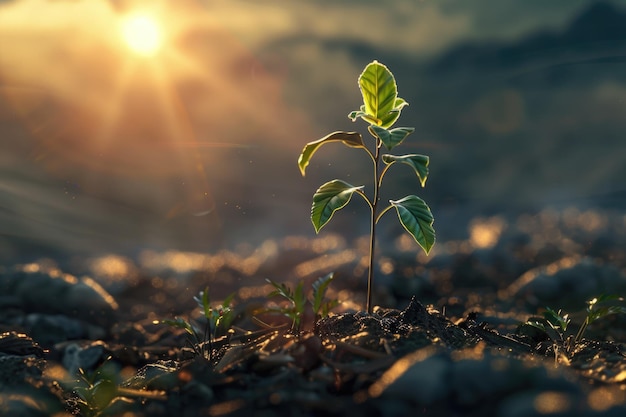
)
(142, 34)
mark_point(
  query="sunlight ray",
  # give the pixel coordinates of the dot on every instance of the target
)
(198, 197)
(112, 107)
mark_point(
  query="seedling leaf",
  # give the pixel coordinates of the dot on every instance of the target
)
(556, 319)
(181, 324)
(418, 162)
(102, 393)
(299, 298)
(329, 198)
(391, 138)
(281, 290)
(228, 300)
(203, 302)
(417, 219)
(351, 139)
(319, 291)
(380, 96)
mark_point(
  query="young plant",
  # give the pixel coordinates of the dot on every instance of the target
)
(298, 301)
(554, 324)
(217, 320)
(98, 392)
(381, 109)
(595, 310)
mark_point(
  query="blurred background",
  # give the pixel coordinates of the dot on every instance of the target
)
(128, 125)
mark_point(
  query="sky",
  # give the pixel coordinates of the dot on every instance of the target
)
(194, 144)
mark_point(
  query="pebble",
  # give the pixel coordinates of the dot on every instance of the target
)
(47, 290)
(423, 369)
(474, 380)
(21, 359)
(49, 329)
(85, 357)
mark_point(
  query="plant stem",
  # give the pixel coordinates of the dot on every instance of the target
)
(581, 331)
(374, 205)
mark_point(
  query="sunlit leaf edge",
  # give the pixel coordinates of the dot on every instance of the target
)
(378, 89)
(351, 139)
(417, 219)
(418, 162)
(391, 137)
(330, 197)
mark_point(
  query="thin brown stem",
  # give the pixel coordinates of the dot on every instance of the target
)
(370, 272)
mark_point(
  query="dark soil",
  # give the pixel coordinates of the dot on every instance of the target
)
(451, 342)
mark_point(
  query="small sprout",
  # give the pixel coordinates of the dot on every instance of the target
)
(219, 318)
(597, 311)
(554, 324)
(297, 301)
(99, 391)
(381, 109)
(218, 321)
(321, 306)
(556, 320)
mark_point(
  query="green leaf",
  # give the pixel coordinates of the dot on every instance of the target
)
(556, 319)
(281, 289)
(299, 298)
(181, 324)
(320, 286)
(228, 300)
(417, 219)
(380, 96)
(202, 299)
(351, 139)
(102, 393)
(329, 198)
(399, 104)
(418, 162)
(327, 306)
(391, 138)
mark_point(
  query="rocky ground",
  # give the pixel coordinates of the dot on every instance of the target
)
(448, 339)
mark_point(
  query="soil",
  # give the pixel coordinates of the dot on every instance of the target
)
(451, 340)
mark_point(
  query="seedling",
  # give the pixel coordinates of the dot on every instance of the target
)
(297, 300)
(554, 323)
(596, 311)
(217, 320)
(98, 392)
(381, 109)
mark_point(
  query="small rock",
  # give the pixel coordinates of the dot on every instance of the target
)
(21, 359)
(41, 290)
(536, 404)
(197, 393)
(49, 329)
(86, 357)
(420, 377)
(12, 343)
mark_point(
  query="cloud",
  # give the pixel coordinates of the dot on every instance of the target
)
(416, 28)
